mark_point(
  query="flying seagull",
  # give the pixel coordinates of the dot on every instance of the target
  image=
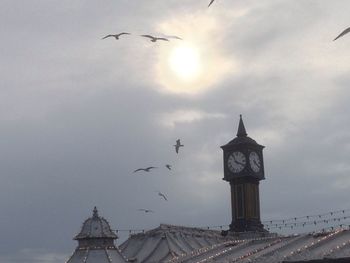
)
(154, 39)
(162, 195)
(145, 169)
(212, 1)
(343, 33)
(178, 145)
(146, 210)
(168, 166)
(116, 36)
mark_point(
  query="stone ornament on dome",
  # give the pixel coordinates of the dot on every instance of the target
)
(95, 212)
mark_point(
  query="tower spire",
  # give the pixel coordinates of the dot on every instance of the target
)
(95, 213)
(241, 129)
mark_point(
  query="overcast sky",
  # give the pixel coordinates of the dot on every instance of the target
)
(78, 114)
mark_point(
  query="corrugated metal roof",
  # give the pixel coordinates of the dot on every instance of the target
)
(99, 255)
(174, 244)
(168, 242)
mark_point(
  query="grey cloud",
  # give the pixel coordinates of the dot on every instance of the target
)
(78, 115)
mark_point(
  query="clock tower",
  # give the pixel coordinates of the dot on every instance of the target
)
(244, 169)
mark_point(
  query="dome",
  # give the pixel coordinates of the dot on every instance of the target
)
(95, 227)
(96, 243)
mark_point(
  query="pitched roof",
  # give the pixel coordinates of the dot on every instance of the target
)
(167, 242)
(174, 244)
(99, 255)
(241, 137)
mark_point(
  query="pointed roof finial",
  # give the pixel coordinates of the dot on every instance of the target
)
(241, 129)
(95, 212)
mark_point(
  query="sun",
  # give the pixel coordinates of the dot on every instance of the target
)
(196, 63)
(185, 62)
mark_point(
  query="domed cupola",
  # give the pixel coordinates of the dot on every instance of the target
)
(95, 232)
(96, 243)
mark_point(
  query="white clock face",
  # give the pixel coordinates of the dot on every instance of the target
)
(236, 162)
(254, 161)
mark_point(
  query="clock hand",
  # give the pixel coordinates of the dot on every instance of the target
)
(237, 162)
(240, 163)
(256, 163)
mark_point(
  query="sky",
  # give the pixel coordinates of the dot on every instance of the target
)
(79, 114)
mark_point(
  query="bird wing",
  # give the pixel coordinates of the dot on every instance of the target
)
(162, 38)
(108, 36)
(140, 169)
(151, 167)
(162, 195)
(176, 37)
(123, 33)
(172, 36)
(212, 1)
(148, 36)
(343, 33)
(177, 148)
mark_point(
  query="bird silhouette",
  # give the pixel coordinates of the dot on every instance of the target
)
(178, 145)
(172, 36)
(146, 210)
(162, 195)
(154, 39)
(116, 36)
(342, 33)
(168, 166)
(212, 1)
(145, 169)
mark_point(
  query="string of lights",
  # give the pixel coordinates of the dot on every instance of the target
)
(305, 223)
(331, 213)
(131, 231)
(332, 228)
(201, 251)
(315, 219)
(312, 244)
(210, 252)
(328, 253)
(255, 251)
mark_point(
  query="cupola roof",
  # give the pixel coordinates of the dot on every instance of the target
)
(95, 227)
(96, 243)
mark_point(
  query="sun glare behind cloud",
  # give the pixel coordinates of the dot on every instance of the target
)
(196, 63)
(185, 62)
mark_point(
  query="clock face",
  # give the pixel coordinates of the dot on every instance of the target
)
(236, 162)
(254, 161)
